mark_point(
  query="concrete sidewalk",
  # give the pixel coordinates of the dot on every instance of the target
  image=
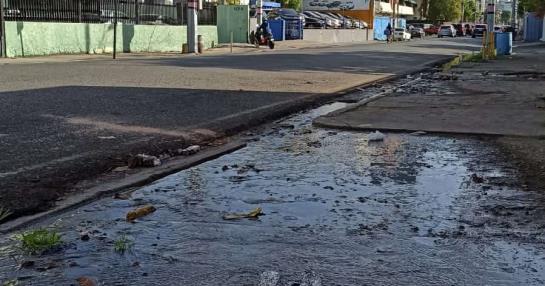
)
(502, 97)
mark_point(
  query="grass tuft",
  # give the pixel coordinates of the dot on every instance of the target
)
(40, 240)
(123, 244)
(4, 213)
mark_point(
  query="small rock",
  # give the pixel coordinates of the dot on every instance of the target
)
(143, 160)
(225, 168)
(136, 264)
(315, 144)
(27, 264)
(476, 179)
(73, 264)
(288, 126)
(86, 281)
(84, 236)
(376, 136)
(121, 169)
(145, 274)
(415, 229)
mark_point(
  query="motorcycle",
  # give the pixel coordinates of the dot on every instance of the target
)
(258, 39)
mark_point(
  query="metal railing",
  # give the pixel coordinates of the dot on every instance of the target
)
(104, 11)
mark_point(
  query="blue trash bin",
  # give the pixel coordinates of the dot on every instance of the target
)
(504, 43)
(278, 29)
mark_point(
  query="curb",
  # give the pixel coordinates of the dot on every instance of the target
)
(251, 118)
(138, 179)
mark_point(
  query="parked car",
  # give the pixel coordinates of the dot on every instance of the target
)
(314, 22)
(417, 33)
(334, 4)
(401, 34)
(460, 31)
(446, 31)
(345, 22)
(356, 23)
(347, 6)
(431, 29)
(479, 30)
(285, 14)
(329, 21)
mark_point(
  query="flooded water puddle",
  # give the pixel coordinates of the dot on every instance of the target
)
(337, 210)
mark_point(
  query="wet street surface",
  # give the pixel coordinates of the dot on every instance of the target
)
(337, 210)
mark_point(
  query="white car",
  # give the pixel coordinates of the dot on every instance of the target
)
(400, 34)
(446, 31)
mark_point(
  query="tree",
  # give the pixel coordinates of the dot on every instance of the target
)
(423, 9)
(531, 6)
(293, 4)
(470, 11)
(445, 10)
(505, 17)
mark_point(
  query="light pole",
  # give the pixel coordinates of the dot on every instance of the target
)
(2, 31)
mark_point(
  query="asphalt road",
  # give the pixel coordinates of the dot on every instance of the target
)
(62, 121)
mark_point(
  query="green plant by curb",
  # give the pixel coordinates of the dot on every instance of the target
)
(4, 213)
(123, 244)
(39, 241)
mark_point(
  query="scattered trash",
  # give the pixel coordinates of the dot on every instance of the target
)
(86, 281)
(376, 136)
(122, 196)
(269, 278)
(254, 214)
(121, 169)
(143, 160)
(193, 149)
(140, 212)
(418, 133)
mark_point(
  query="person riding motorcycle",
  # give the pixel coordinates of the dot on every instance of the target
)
(263, 29)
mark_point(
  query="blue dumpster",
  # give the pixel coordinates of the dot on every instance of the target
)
(278, 29)
(504, 43)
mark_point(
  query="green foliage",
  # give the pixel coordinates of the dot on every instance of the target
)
(293, 4)
(470, 11)
(123, 244)
(39, 241)
(531, 6)
(444, 10)
(505, 17)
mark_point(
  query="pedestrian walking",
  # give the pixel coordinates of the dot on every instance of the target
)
(388, 33)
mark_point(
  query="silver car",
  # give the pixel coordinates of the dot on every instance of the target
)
(446, 31)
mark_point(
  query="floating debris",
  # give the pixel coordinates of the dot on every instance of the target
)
(254, 214)
(140, 212)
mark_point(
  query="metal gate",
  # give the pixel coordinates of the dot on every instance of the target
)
(233, 20)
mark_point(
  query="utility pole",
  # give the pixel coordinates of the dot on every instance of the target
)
(115, 29)
(514, 12)
(259, 11)
(192, 24)
(3, 53)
